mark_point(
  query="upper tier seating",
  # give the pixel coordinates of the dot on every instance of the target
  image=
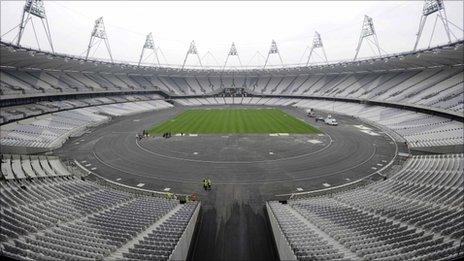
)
(435, 88)
(415, 214)
(62, 217)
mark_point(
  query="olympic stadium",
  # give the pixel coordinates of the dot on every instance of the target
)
(357, 159)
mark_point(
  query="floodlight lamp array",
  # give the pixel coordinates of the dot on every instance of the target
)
(317, 42)
(99, 29)
(35, 7)
(273, 48)
(432, 6)
(368, 27)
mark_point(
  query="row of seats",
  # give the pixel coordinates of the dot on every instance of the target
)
(437, 88)
(416, 214)
(66, 218)
(14, 113)
(52, 130)
(31, 166)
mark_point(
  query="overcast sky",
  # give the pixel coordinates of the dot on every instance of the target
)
(215, 25)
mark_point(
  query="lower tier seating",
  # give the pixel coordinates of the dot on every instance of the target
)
(416, 214)
(67, 218)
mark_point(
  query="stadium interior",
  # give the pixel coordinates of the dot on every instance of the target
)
(346, 160)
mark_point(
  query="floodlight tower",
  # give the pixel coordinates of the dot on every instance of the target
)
(273, 50)
(367, 32)
(98, 34)
(34, 8)
(433, 7)
(317, 43)
(232, 52)
(192, 50)
(150, 45)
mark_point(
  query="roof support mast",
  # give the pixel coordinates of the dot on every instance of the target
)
(232, 52)
(367, 32)
(431, 7)
(192, 50)
(150, 45)
(273, 50)
(317, 43)
(98, 35)
(34, 8)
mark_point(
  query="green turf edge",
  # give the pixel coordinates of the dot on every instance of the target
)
(258, 121)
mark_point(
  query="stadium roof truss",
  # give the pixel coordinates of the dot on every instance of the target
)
(22, 58)
(232, 52)
(150, 46)
(436, 7)
(32, 8)
(369, 35)
(317, 44)
(97, 36)
(192, 50)
(273, 50)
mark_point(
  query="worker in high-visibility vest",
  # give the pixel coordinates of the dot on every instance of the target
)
(209, 184)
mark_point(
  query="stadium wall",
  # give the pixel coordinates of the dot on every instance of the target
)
(283, 248)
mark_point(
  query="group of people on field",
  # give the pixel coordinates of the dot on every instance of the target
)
(207, 184)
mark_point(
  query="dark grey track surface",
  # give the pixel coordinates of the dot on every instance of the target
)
(246, 171)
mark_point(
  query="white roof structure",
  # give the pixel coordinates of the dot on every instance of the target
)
(31, 59)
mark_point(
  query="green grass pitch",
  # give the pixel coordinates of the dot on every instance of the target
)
(233, 121)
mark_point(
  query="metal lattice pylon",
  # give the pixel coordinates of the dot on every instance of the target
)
(149, 45)
(98, 34)
(433, 7)
(34, 8)
(273, 50)
(232, 52)
(192, 50)
(317, 43)
(367, 32)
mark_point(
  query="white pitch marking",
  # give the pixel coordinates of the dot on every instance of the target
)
(225, 136)
(193, 135)
(299, 189)
(273, 134)
(347, 179)
(326, 185)
(87, 165)
(76, 143)
(380, 165)
(271, 153)
(283, 134)
(118, 179)
(374, 168)
(370, 132)
(140, 185)
(195, 153)
(84, 161)
(384, 161)
(94, 168)
(314, 141)
(320, 134)
(82, 140)
(167, 189)
(136, 120)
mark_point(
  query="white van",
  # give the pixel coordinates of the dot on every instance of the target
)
(331, 121)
